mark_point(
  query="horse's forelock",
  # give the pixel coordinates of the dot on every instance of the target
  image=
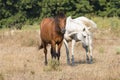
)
(61, 15)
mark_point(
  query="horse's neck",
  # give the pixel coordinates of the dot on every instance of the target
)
(56, 27)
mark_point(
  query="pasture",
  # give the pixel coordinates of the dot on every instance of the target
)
(20, 58)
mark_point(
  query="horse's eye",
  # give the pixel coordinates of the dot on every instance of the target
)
(84, 36)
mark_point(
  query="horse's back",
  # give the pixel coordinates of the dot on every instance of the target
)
(46, 28)
(46, 22)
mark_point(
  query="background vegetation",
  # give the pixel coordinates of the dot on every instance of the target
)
(19, 12)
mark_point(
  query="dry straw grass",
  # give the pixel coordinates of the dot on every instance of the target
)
(21, 60)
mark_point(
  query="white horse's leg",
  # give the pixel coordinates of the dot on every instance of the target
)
(91, 58)
(67, 51)
(73, 43)
(87, 52)
(90, 50)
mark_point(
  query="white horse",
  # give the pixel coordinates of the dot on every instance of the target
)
(78, 30)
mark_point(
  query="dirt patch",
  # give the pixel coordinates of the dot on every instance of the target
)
(21, 60)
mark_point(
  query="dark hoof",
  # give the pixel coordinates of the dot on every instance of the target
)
(73, 64)
(46, 63)
(89, 62)
(68, 62)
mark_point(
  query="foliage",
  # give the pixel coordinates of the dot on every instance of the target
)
(19, 12)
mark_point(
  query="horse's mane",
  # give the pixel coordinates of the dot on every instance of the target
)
(60, 15)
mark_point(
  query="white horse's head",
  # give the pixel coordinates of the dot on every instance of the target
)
(84, 36)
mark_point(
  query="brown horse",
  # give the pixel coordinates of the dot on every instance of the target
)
(52, 32)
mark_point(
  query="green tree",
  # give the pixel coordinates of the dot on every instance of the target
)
(19, 12)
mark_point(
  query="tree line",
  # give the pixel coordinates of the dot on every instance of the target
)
(19, 12)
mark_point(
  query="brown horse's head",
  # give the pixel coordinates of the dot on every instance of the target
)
(60, 21)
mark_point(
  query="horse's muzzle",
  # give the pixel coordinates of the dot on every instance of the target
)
(63, 31)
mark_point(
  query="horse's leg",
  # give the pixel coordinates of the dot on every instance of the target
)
(59, 47)
(67, 51)
(91, 58)
(45, 52)
(53, 50)
(87, 51)
(90, 50)
(73, 44)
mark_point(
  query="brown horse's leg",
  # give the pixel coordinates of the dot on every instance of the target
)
(53, 49)
(45, 52)
(59, 47)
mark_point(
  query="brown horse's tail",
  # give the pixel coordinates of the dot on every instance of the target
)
(40, 46)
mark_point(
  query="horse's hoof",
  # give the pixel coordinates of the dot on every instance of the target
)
(68, 62)
(46, 63)
(89, 62)
(73, 64)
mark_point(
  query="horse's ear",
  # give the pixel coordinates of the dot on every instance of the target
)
(60, 14)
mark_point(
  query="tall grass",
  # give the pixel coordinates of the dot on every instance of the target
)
(111, 25)
(107, 23)
(102, 23)
(31, 27)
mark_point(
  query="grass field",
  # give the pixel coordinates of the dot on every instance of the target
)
(21, 60)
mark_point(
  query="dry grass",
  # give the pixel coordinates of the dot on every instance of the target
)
(20, 59)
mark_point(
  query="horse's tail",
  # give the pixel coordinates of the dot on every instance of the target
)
(40, 46)
(41, 43)
(88, 22)
(93, 24)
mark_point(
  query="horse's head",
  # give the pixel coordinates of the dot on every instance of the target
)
(60, 21)
(84, 36)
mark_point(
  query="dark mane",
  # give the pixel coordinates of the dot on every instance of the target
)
(60, 15)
